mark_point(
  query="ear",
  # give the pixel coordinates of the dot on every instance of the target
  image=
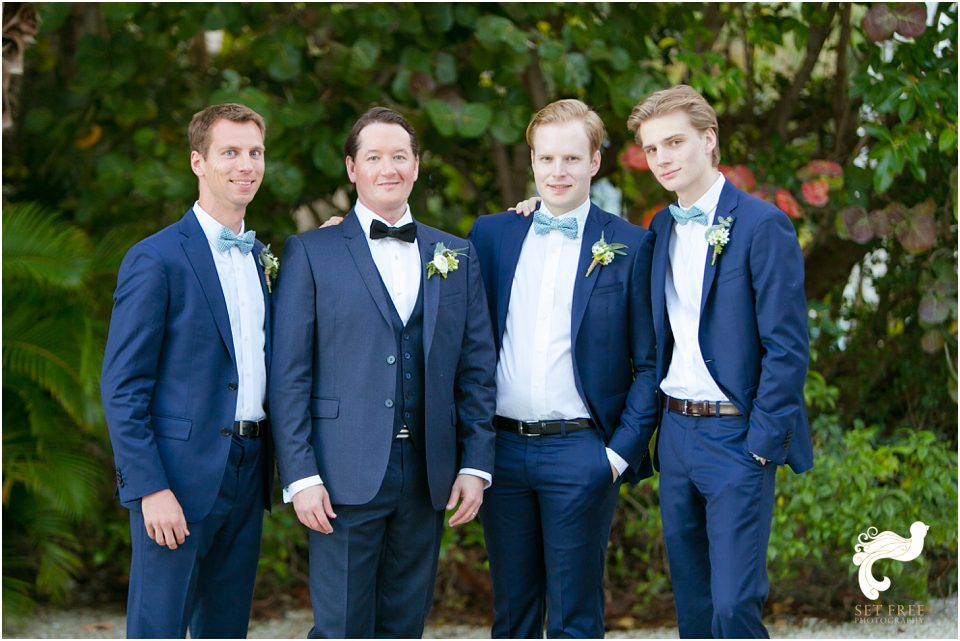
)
(351, 169)
(710, 140)
(196, 163)
(595, 163)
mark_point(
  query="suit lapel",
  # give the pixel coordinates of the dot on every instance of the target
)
(582, 286)
(360, 251)
(511, 242)
(661, 263)
(257, 248)
(431, 286)
(198, 252)
(725, 206)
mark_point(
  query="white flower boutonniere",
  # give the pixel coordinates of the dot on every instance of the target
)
(444, 260)
(271, 267)
(604, 253)
(718, 236)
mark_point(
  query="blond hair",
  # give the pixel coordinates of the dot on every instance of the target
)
(678, 98)
(562, 111)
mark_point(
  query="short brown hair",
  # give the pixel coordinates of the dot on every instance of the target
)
(203, 121)
(677, 98)
(383, 115)
(562, 111)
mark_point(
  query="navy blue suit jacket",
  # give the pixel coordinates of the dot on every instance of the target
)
(335, 381)
(753, 323)
(169, 383)
(611, 324)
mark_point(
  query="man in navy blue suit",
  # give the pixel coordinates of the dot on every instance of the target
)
(732, 353)
(576, 395)
(184, 393)
(383, 392)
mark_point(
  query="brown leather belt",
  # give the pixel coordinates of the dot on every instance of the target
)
(542, 428)
(700, 408)
(249, 429)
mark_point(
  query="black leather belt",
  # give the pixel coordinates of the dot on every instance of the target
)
(250, 429)
(542, 428)
(700, 408)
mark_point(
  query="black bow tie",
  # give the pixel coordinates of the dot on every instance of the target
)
(407, 233)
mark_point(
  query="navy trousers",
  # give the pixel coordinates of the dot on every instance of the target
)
(717, 505)
(206, 584)
(373, 577)
(546, 521)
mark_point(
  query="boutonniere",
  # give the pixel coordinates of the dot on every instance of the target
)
(271, 266)
(444, 260)
(604, 253)
(718, 236)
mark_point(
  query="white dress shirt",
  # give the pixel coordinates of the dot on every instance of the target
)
(240, 282)
(535, 379)
(688, 377)
(400, 269)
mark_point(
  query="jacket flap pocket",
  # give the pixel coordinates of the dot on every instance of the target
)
(324, 407)
(606, 289)
(175, 428)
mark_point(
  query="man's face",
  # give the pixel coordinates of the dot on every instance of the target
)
(384, 169)
(232, 170)
(563, 165)
(680, 156)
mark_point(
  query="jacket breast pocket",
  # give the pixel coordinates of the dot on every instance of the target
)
(169, 427)
(324, 407)
(453, 298)
(739, 272)
(615, 288)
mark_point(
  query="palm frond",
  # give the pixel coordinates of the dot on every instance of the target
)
(39, 247)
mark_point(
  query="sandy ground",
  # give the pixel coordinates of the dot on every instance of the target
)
(108, 623)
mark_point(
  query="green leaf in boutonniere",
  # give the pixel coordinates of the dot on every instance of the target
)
(718, 236)
(604, 253)
(271, 267)
(444, 260)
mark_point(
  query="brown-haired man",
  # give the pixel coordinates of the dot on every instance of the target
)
(382, 392)
(184, 393)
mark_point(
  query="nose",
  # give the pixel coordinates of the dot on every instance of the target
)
(559, 167)
(246, 163)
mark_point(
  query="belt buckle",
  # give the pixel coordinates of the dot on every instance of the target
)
(523, 433)
(686, 407)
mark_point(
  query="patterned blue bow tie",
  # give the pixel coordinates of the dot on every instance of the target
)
(228, 239)
(684, 216)
(544, 224)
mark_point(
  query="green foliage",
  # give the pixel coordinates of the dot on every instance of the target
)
(99, 134)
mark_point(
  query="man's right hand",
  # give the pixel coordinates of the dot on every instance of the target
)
(526, 207)
(314, 508)
(163, 519)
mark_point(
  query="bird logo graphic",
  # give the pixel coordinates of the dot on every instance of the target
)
(886, 545)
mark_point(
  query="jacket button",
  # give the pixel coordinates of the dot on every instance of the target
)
(226, 431)
(388, 402)
(391, 359)
(232, 386)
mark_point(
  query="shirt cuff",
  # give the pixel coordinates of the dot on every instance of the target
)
(487, 479)
(302, 484)
(617, 461)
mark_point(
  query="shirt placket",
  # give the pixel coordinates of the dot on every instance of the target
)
(544, 327)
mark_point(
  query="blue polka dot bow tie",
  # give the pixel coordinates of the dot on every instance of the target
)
(684, 216)
(228, 239)
(544, 224)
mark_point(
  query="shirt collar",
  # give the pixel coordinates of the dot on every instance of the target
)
(211, 228)
(580, 213)
(366, 216)
(707, 203)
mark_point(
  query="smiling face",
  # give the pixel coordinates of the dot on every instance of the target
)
(679, 155)
(232, 169)
(384, 169)
(563, 165)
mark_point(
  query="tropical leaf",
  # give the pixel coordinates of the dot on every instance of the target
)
(38, 247)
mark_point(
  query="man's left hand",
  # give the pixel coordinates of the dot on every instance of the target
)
(468, 490)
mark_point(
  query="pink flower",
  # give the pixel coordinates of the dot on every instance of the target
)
(786, 202)
(740, 176)
(634, 158)
(816, 192)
